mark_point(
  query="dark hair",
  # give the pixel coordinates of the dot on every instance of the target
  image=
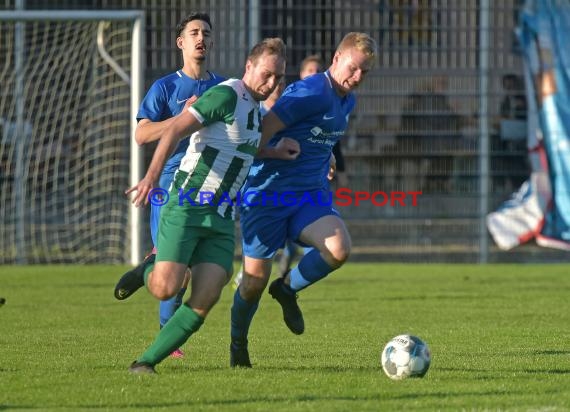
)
(192, 16)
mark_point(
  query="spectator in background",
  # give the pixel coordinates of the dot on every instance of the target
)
(310, 65)
(429, 123)
(510, 136)
(513, 104)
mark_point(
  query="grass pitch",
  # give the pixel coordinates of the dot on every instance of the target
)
(499, 337)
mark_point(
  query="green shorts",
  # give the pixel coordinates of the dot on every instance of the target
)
(195, 234)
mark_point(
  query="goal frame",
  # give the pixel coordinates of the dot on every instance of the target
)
(136, 81)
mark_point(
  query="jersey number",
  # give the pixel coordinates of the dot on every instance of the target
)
(251, 120)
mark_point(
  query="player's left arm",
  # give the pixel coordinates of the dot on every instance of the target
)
(149, 131)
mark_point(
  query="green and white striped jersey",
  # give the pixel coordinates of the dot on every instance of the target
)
(219, 155)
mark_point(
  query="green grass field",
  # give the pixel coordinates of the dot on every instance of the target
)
(499, 337)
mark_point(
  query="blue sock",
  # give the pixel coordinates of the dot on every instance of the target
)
(312, 268)
(242, 314)
(168, 307)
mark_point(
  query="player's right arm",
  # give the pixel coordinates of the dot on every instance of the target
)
(181, 126)
(148, 131)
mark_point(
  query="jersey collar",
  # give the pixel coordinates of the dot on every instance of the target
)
(328, 76)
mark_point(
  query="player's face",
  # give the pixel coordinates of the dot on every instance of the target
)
(349, 69)
(195, 41)
(263, 76)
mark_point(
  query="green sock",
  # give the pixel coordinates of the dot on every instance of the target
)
(146, 272)
(177, 330)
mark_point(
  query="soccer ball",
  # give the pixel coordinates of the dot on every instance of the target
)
(405, 356)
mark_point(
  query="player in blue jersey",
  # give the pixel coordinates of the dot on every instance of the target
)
(291, 198)
(166, 98)
(310, 65)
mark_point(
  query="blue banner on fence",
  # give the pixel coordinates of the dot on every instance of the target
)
(544, 27)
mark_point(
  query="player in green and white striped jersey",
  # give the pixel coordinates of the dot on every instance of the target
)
(225, 123)
(219, 156)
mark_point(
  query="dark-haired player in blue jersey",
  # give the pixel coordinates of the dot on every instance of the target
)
(290, 198)
(166, 98)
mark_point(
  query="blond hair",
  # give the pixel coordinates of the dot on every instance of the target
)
(360, 41)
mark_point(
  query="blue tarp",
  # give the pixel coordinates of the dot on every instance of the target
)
(544, 33)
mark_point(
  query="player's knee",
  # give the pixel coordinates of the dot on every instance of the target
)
(162, 290)
(165, 280)
(162, 293)
(251, 288)
(338, 254)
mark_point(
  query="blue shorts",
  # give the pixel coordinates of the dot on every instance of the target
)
(266, 226)
(163, 183)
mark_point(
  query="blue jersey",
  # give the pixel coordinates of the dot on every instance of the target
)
(166, 98)
(317, 117)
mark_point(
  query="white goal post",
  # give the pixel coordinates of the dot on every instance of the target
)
(71, 84)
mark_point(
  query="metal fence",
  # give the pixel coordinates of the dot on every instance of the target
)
(443, 111)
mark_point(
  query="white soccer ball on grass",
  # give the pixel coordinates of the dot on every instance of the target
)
(405, 356)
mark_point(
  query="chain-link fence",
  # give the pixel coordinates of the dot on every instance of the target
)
(443, 67)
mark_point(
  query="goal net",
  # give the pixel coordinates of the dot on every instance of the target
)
(66, 113)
